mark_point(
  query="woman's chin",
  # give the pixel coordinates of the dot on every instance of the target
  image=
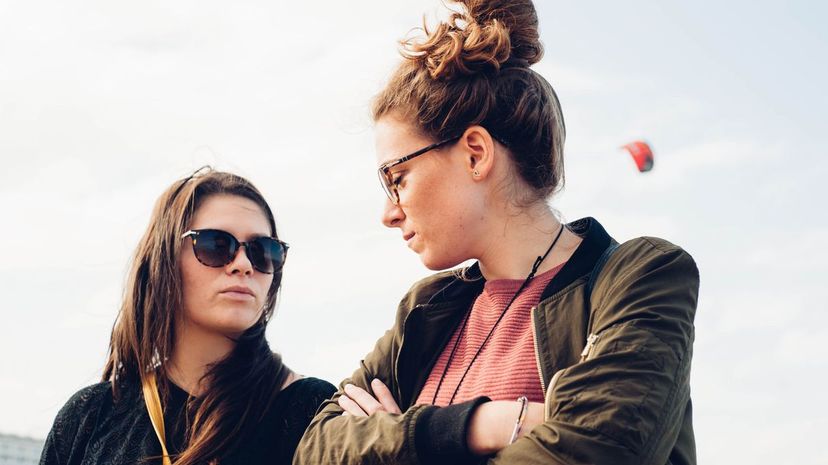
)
(438, 263)
(236, 322)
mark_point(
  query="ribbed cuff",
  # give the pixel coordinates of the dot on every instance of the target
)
(440, 433)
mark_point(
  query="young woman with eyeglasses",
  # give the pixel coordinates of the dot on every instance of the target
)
(557, 345)
(190, 378)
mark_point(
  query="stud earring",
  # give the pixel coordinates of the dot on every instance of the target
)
(476, 173)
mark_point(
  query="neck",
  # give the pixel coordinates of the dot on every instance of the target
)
(520, 238)
(194, 351)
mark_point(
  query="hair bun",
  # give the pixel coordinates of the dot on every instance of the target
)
(483, 36)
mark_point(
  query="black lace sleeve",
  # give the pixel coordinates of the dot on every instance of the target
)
(74, 424)
(91, 429)
(288, 418)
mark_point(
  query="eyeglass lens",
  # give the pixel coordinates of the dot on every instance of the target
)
(218, 248)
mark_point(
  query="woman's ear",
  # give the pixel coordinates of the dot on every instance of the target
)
(480, 151)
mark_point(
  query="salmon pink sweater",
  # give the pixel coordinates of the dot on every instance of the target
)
(507, 367)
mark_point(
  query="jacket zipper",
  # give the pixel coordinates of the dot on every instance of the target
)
(590, 344)
(535, 343)
(591, 340)
(399, 352)
(537, 361)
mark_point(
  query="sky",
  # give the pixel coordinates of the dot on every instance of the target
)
(103, 104)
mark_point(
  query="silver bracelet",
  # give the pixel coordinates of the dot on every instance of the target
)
(524, 407)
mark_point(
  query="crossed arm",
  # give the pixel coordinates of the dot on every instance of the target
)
(627, 403)
(490, 427)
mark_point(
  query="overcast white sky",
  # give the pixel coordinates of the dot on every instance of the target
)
(103, 104)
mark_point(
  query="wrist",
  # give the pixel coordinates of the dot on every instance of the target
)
(490, 427)
(441, 433)
(535, 416)
(492, 424)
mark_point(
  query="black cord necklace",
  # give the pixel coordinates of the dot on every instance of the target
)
(531, 275)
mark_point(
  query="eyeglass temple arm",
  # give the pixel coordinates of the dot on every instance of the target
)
(384, 168)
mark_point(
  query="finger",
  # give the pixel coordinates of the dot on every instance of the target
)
(365, 400)
(350, 407)
(384, 396)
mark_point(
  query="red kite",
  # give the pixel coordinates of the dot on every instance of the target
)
(641, 154)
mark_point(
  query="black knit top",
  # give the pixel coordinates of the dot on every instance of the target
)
(92, 429)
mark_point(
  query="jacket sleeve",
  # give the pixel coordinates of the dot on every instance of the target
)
(421, 434)
(625, 401)
(332, 438)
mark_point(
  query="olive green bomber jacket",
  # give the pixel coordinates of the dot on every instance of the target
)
(614, 365)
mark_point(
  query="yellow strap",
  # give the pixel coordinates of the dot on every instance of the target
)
(156, 413)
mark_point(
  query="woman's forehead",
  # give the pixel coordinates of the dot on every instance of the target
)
(395, 138)
(232, 213)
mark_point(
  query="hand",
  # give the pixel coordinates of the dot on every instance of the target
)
(492, 423)
(357, 401)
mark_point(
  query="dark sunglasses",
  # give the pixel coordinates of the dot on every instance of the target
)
(217, 248)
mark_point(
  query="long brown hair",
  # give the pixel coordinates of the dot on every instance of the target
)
(242, 384)
(474, 69)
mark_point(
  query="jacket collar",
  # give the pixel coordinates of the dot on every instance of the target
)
(462, 290)
(438, 303)
(595, 241)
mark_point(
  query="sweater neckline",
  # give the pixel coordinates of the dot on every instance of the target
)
(508, 285)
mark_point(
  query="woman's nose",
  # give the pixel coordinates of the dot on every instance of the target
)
(392, 214)
(241, 263)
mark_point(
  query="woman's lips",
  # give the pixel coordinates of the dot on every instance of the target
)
(409, 240)
(238, 293)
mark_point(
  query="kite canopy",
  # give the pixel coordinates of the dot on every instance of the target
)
(641, 154)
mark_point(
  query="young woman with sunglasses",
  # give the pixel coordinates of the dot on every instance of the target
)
(557, 345)
(190, 377)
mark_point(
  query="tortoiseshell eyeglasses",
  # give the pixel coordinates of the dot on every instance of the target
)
(384, 171)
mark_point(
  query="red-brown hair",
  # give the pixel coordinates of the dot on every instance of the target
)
(474, 69)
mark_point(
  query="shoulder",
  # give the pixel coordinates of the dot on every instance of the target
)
(86, 406)
(310, 391)
(286, 419)
(75, 421)
(648, 263)
(90, 398)
(645, 255)
(652, 244)
(650, 284)
(295, 405)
